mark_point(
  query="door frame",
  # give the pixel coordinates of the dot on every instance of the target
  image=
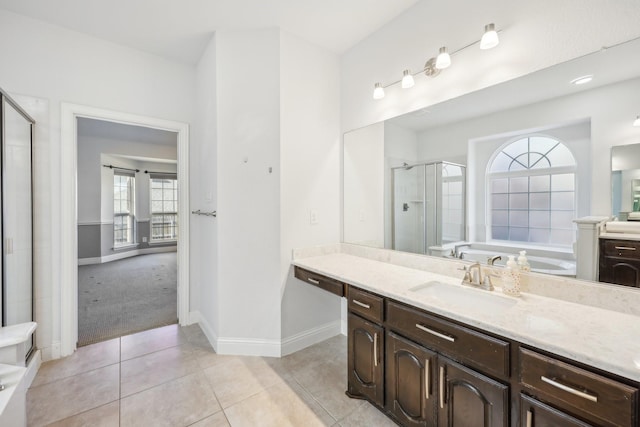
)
(69, 212)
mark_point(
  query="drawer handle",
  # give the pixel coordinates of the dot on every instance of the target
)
(427, 380)
(441, 387)
(361, 304)
(436, 333)
(314, 281)
(625, 248)
(375, 349)
(529, 418)
(568, 389)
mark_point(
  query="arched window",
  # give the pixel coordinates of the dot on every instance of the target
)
(532, 195)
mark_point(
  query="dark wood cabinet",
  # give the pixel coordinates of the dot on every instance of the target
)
(410, 372)
(365, 362)
(321, 281)
(620, 262)
(426, 370)
(468, 398)
(536, 414)
(583, 393)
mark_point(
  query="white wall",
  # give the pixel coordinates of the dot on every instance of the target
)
(536, 35)
(364, 186)
(58, 65)
(248, 165)
(309, 177)
(400, 146)
(203, 253)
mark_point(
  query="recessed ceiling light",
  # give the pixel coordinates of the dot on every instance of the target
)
(582, 80)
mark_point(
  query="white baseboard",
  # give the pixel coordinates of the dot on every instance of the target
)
(206, 328)
(309, 337)
(32, 368)
(127, 254)
(264, 347)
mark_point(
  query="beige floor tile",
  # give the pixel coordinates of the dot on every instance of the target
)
(70, 396)
(83, 360)
(366, 416)
(104, 416)
(284, 404)
(327, 383)
(149, 341)
(180, 402)
(240, 377)
(156, 368)
(216, 420)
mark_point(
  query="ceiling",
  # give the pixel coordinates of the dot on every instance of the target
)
(180, 30)
(110, 130)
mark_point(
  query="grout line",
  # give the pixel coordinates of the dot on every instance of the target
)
(120, 382)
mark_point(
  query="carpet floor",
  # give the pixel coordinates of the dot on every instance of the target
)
(126, 296)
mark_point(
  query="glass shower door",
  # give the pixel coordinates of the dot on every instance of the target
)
(408, 209)
(17, 289)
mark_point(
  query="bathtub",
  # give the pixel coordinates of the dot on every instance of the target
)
(557, 263)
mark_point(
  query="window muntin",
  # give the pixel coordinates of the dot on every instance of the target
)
(123, 209)
(532, 194)
(164, 209)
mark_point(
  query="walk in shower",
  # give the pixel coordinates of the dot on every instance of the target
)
(428, 205)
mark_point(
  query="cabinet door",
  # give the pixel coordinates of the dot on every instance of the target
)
(366, 344)
(537, 414)
(409, 370)
(624, 272)
(467, 398)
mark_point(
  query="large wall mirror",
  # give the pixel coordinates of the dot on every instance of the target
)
(498, 170)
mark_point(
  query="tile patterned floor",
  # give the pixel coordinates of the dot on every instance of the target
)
(172, 377)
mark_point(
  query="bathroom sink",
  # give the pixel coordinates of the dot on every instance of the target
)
(465, 297)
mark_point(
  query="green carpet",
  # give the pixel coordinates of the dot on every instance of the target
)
(126, 296)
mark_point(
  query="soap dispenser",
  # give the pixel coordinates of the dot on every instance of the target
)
(523, 262)
(511, 278)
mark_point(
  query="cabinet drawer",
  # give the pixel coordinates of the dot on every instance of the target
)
(368, 305)
(489, 354)
(578, 390)
(320, 281)
(622, 248)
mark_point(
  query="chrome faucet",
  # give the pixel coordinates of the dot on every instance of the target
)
(475, 279)
(493, 259)
(456, 250)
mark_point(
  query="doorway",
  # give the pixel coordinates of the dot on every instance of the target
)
(127, 229)
(68, 308)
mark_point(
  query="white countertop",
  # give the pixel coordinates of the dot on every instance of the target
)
(601, 338)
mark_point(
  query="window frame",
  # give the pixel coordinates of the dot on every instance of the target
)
(130, 215)
(174, 213)
(550, 171)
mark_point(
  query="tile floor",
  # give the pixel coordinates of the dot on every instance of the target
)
(172, 377)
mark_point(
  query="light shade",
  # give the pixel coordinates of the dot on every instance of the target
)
(489, 38)
(378, 91)
(444, 59)
(407, 79)
(637, 121)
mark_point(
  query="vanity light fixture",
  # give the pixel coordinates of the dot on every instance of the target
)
(489, 38)
(407, 80)
(444, 59)
(636, 122)
(582, 80)
(378, 91)
(434, 66)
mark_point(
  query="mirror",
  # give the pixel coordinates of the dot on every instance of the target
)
(625, 182)
(519, 190)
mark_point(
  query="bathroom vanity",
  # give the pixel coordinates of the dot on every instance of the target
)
(620, 261)
(429, 352)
